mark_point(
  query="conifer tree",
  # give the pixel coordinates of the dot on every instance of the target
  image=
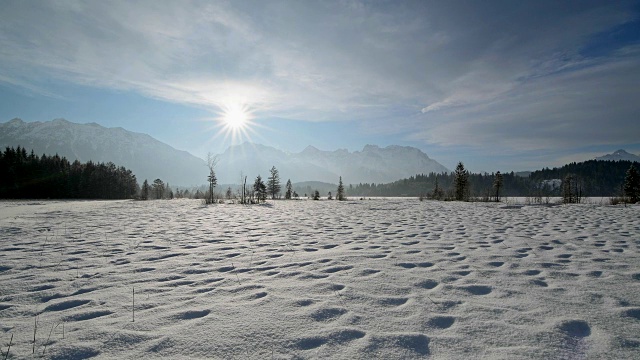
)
(289, 192)
(274, 183)
(497, 184)
(213, 181)
(632, 185)
(340, 194)
(158, 188)
(437, 191)
(461, 180)
(260, 189)
(144, 195)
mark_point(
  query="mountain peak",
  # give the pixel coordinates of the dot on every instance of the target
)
(370, 147)
(619, 155)
(311, 149)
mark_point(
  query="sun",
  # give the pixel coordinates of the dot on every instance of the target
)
(235, 121)
(235, 117)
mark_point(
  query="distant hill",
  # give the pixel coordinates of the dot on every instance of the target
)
(145, 156)
(372, 164)
(618, 156)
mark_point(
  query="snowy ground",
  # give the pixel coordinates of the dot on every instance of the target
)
(365, 279)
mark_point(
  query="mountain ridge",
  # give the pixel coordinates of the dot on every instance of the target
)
(150, 158)
(371, 164)
(144, 155)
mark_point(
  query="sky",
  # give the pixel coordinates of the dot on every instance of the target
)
(498, 85)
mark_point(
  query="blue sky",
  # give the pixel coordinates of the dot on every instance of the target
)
(499, 85)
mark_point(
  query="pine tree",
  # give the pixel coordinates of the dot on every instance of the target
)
(260, 189)
(144, 195)
(288, 193)
(497, 184)
(571, 190)
(213, 181)
(632, 185)
(229, 193)
(437, 192)
(461, 180)
(158, 188)
(274, 183)
(340, 194)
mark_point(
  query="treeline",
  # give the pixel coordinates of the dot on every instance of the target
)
(479, 185)
(596, 178)
(27, 176)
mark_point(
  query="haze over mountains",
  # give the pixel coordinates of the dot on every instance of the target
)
(372, 164)
(149, 158)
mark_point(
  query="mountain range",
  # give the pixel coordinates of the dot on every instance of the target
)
(372, 164)
(149, 158)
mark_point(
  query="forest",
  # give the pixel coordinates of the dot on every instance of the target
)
(27, 176)
(595, 178)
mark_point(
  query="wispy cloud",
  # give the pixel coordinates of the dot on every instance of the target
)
(506, 74)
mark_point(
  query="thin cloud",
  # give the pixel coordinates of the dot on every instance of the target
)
(507, 74)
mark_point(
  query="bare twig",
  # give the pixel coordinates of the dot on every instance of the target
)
(35, 328)
(6, 356)
(53, 326)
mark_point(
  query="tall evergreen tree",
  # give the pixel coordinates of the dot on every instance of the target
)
(289, 192)
(461, 180)
(632, 185)
(145, 190)
(437, 191)
(571, 190)
(213, 181)
(158, 188)
(497, 184)
(340, 194)
(260, 189)
(273, 183)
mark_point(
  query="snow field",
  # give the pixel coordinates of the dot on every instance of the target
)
(366, 279)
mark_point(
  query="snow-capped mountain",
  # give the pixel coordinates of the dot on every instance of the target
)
(147, 157)
(372, 164)
(620, 155)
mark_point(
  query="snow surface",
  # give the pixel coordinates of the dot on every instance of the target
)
(372, 279)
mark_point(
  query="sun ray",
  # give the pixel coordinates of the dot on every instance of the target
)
(234, 121)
